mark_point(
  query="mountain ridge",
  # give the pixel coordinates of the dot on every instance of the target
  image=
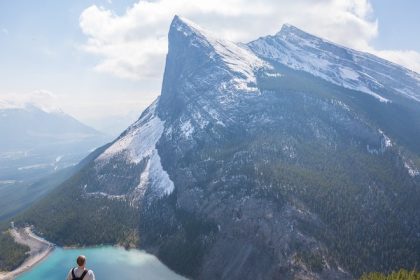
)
(271, 172)
(304, 51)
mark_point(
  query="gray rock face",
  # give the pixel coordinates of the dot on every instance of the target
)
(219, 147)
(247, 167)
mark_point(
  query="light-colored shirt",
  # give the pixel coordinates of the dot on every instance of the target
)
(78, 272)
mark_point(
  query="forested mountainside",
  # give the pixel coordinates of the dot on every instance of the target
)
(287, 158)
(402, 274)
(11, 254)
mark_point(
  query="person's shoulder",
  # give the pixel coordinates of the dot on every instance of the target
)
(71, 269)
(69, 274)
(91, 275)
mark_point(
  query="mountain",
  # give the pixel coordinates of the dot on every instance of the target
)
(36, 141)
(286, 158)
(38, 149)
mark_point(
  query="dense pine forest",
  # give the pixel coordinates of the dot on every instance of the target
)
(398, 275)
(11, 254)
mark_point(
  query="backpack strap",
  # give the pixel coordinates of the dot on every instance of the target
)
(83, 274)
(72, 274)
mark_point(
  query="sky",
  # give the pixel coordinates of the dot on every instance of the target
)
(102, 61)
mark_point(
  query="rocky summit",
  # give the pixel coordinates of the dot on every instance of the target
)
(289, 157)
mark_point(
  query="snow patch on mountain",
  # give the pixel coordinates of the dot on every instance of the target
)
(386, 140)
(348, 74)
(102, 194)
(27, 104)
(412, 171)
(8, 105)
(153, 177)
(187, 129)
(341, 104)
(138, 143)
(5, 104)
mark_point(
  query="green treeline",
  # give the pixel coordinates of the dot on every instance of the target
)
(398, 275)
(12, 254)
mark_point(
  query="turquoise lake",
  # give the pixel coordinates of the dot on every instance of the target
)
(106, 263)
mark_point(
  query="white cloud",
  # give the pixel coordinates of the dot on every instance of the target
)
(42, 99)
(409, 58)
(5, 31)
(133, 45)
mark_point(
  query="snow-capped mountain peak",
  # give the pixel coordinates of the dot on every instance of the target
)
(6, 104)
(288, 29)
(49, 109)
(238, 58)
(342, 66)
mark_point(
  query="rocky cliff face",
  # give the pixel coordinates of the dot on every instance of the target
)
(257, 163)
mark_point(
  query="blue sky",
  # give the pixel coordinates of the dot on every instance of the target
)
(399, 23)
(40, 51)
(76, 50)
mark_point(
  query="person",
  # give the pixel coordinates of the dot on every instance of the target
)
(80, 272)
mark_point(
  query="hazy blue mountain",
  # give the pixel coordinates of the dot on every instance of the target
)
(38, 150)
(287, 158)
(35, 142)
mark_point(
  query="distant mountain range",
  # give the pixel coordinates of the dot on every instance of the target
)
(289, 157)
(35, 143)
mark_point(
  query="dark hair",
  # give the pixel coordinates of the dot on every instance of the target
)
(81, 260)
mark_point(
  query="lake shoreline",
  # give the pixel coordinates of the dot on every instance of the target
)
(43, 252)
(39, 250)
(103, 260)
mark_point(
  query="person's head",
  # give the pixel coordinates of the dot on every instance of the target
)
(81, 260)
